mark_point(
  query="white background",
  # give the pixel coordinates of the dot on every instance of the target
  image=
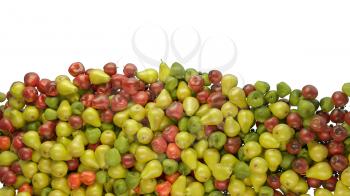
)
(300, 42)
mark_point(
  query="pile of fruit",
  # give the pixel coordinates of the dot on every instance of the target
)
(177, 132)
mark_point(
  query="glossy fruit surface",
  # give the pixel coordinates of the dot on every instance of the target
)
(172, 131)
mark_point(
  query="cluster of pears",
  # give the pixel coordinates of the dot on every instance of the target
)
(172, 131)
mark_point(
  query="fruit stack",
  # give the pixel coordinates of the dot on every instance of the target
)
(172, 131)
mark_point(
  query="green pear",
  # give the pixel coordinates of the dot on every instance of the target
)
(273, 158)
(94, 189)
(164, 99)
(63, 129)
(44, 165)
(341, 189)
(195, 189)
(317, 152)
(251, 149)
(245, 119)
(59, 168)
(40, 180)
(221, 171)
(36, 156)
(17, 89)
(229, 160)
(32, 139)
(178, 188)
(211, 157)
(98, 76)
(8, 191)
(231, 127)
(289, 179)
(153, 169)
(258, 180)
(144, 154)
(58, 152)
(184, 139)
(64, 140)
(112, 157)
(237, 96)
(282, 132)
(119, 118)
(7, 157)
(301, 187)
(92, 117)
(320, 171)
(148, 76)
(89, 159)
(45, 147)
(17, 119)
(228, 82)
(64, 110)
(345, 177)
(202, 173)
(60, 184)
(100, 153)
(79, 192)
(189, 157)
(117, 172)
(28, 168)
(81, 136)
(66, 87)
(155, 116)
(183, 91)
(190, 105)
(322, 192)
(76, 148)
(200, 147)
(164, 71)
(267, 140)
(279, 109)
(213, 117)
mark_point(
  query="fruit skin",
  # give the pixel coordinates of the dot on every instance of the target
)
(184, 140)
(237, 96)
(289, 179)
(346, 88)
(228, 81)
(66, 87)
(148, 75)
(245, 119)
(91, 116)
(279, 109)
(58, 152)
(273, 158)
(7, 157)
(213, 117)
(178, 188)
(317, 152)
(236, 187)
(267, 140)
(283, 89)
(189, 157)
(97, 76)
(195, 188)
(341, 189)
(305, 108)
(40, 180)
(282, 132)
(320, 170)
(194, 127)
(5, 143)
